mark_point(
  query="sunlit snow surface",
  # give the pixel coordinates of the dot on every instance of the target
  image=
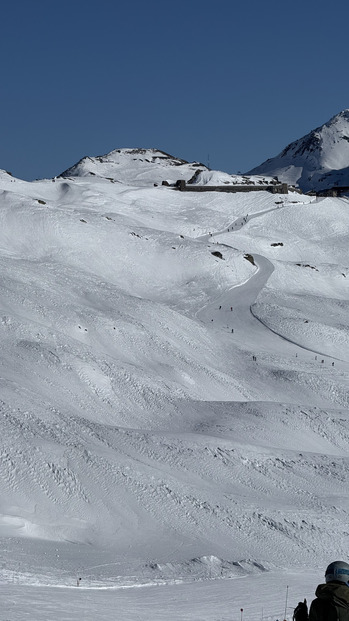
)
(174, 422)
(318, 161)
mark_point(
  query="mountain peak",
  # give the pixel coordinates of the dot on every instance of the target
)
(134, 166)
(318, 160)
(343, 114)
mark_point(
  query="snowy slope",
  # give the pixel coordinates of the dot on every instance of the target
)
(317, 161)
(217, 177)
(174, 390)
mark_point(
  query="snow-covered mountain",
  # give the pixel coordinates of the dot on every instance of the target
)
(174, 395)
(140, 167)
(318, 161)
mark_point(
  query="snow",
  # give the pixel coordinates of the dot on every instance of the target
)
(220, 600)
(141, 167)
(318, 161)
(174, 395)
(216, 178)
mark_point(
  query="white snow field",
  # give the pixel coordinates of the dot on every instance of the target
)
(174, 377)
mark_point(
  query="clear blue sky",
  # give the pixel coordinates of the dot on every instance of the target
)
(232, 81)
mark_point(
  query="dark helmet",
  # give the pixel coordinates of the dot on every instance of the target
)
(337, 571)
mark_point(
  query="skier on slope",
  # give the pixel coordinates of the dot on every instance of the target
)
(332, 598)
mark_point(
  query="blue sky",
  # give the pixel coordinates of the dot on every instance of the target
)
(224, 81)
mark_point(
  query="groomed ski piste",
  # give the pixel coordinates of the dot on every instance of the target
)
(174, 395)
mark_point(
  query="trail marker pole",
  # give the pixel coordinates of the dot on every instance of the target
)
(286, 603)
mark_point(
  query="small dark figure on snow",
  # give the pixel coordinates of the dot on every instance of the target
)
(301, 612)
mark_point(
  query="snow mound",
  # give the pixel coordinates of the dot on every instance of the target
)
(217, 177)
(205, 567)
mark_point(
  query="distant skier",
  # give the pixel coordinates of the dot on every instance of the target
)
(332, 598)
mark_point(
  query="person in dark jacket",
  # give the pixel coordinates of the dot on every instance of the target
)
(332, 598)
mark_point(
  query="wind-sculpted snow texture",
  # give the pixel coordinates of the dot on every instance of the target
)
(174, 393)
(318, 161)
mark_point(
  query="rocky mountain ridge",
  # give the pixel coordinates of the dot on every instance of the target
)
(318, 161)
